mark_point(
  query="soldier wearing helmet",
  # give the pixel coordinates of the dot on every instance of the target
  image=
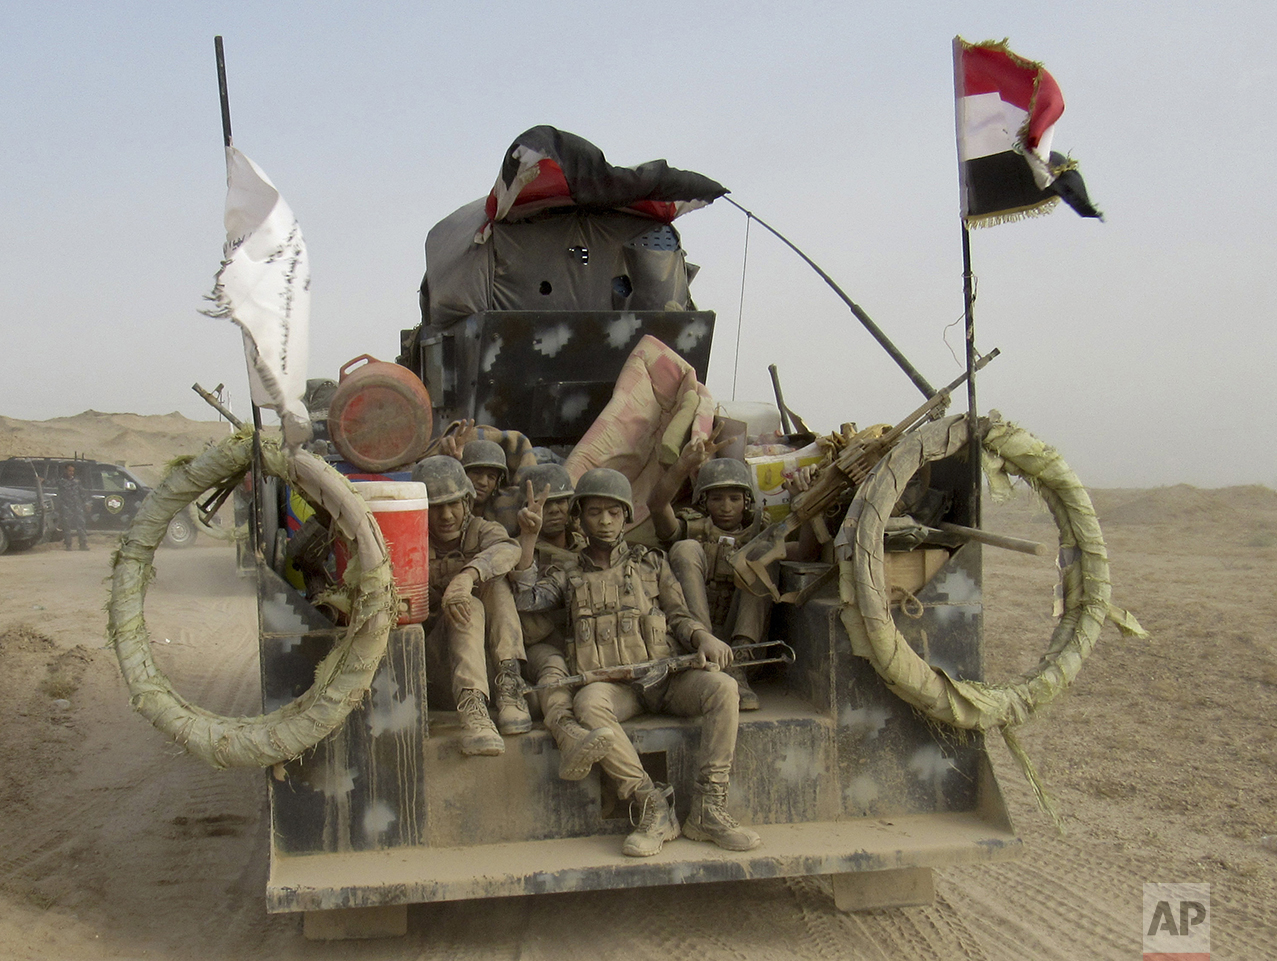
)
(700, 543)
(472, 609)
(548, 492)
(553, 484)
(485, 464)
(625, 607)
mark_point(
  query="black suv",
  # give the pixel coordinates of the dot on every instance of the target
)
(23, 520)
(112, 494)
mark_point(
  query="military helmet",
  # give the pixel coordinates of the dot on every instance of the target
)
(555, 476)
(484, 453)
(605, 482)
(319, 397)
(723, 472)
(445, 479)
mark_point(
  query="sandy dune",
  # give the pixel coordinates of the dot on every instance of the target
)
(1163, 758)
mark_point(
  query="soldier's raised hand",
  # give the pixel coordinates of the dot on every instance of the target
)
(450, 444)
(713, 446)
(799, 481)
(698, 450)
(532, 514)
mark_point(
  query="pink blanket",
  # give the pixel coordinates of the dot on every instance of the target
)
(627, 435)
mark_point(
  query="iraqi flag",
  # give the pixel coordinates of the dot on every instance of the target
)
(264, 287)
(1006, 112)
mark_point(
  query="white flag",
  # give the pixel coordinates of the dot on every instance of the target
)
(264, 287)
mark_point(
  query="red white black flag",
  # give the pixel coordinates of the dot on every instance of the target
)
(1007, 107)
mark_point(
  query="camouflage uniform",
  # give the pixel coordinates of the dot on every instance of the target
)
(485, 548)
(699, 556)
(544, 632)
(631, 612)
(549, 626)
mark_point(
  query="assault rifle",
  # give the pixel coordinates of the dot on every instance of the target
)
(648, 674)
(849, 468)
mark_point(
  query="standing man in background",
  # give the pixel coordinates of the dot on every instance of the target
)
(71, 507)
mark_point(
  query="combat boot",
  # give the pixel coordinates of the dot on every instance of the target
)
(579, 749)
(709, 821)
(657, 822)
(513, 716)
(478, 733)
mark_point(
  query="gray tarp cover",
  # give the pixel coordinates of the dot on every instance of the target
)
(528, 265)
(569, 242)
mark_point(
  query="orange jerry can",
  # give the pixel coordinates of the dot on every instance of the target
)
(380, 417)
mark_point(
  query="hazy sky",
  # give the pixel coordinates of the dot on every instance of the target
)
(1142, 347)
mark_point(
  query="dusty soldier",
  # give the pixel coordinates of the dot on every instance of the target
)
(471, 607)
(557, 542)
(700, 544)
(623, 605)
(485, 464)
(544, 632)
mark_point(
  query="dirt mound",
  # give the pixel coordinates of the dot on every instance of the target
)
(24, 639)
(134, 440)
(1251, 499)
(1184, 504)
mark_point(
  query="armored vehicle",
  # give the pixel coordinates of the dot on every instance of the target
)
(866, 761)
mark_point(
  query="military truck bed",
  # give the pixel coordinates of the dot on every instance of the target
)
(837, 775)
(322, 882)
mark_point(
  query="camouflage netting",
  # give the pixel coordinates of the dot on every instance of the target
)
(1084, 570)
(341, 679)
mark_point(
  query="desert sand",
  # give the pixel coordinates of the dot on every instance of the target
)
(1162, 758)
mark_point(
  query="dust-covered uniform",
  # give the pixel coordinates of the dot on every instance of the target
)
(545, 632)
(549, 626)
(630, 612)
(699, 555)
(485, 548)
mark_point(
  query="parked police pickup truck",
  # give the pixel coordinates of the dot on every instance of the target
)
(112, 493)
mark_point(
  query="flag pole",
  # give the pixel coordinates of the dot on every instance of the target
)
(973, 423)
(255, 505)
(968, 297)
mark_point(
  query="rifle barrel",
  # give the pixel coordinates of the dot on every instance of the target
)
(624, 673)
(995, 540)
(217, 405)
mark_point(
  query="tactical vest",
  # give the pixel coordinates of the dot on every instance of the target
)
(720, 578)
(550, 626)
(616, 615)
